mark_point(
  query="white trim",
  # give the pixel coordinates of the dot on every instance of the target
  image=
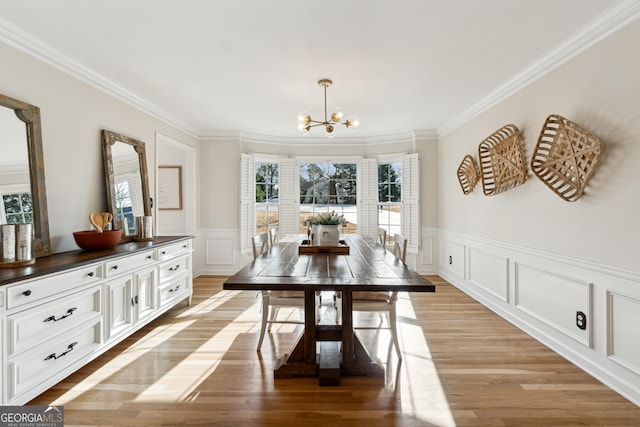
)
(591, 352)
(616, 17)
(39, 49)
(613, 19)
(220, 135)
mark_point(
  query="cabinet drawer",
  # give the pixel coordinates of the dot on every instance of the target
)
(174, 267)
(173, 290)
(30, 327)
(44, 363)
(117, 266)
(45, 287)
(169, 251)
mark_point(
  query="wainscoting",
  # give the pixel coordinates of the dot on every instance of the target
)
(588, 313)
(217, 252)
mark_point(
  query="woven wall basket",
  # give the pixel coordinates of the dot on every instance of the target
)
(468, 174)
(565, 157)
(502, 162)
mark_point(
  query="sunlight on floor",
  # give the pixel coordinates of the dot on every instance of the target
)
(421, 392)
(415, 380)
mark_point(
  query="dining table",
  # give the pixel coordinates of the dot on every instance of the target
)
(325, 349)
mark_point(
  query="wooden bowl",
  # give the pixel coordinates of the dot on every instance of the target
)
(91, 240)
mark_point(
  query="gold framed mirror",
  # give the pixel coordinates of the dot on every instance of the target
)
(126, 178)
(22, 183)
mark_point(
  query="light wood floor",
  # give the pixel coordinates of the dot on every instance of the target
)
(462, 366)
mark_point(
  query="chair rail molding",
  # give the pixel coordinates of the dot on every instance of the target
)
(543, 293)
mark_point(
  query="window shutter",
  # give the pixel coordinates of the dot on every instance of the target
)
(368, 197)
(411, 201)
(247, 202)
(288, 215)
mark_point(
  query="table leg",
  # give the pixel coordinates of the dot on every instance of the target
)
(355, 358)
(301, 362)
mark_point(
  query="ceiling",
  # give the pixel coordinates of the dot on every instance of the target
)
(250, 65)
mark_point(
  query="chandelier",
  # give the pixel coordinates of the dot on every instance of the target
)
(305, 122)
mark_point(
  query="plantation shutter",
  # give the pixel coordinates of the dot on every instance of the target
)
(411, 201)
(247, 202)
(368, 197)
(288, 215)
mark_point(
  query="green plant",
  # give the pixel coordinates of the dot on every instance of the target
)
(326, 218)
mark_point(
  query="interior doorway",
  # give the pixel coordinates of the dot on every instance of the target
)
(175, 207)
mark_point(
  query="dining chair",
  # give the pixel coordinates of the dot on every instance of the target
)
(382, 237)
(273, 300)
(383, 302)
(273, 236)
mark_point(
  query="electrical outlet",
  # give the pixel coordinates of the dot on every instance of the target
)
(581, 320)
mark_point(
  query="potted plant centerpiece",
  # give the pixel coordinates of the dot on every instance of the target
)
(323, 228)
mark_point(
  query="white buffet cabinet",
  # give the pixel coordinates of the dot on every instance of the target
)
(67, 309)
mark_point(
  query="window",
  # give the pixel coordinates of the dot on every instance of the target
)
(267, 196)
(326, 187)
(390, 198)
(284, 191)
(17, 208)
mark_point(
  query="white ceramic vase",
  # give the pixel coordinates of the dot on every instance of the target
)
(325, 235)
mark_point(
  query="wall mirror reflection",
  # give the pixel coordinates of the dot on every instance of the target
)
(126, 178)
(23, 197)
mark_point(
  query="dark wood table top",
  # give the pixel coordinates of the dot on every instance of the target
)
(367, 267)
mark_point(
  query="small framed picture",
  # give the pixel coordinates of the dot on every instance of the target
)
(170, 188)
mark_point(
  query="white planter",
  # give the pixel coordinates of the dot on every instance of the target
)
(325, 235)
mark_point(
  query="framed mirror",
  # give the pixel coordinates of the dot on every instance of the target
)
(125, 172)
(23, 193)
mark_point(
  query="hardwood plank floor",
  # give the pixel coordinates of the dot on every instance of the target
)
(462, 366)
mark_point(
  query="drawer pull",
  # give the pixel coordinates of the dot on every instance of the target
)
(174, 268)
(134, 300)
(53, 318)
(90, 274)
(54, 356)
(174, 289)
(149, 257)
(26, 293)
(163, 252)
(115, 267)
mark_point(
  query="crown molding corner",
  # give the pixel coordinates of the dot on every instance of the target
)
(425, 134)
(607, 23)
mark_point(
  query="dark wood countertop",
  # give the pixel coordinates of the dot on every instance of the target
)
(67, 260)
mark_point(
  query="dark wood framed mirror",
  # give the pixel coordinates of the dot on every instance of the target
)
(126, 178)
(22, 185)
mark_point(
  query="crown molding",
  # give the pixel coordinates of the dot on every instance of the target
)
(220, 135)
(327, 142)
(26, 43)
(425, 134)
(613, 19)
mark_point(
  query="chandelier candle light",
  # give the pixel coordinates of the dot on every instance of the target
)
(305, 122)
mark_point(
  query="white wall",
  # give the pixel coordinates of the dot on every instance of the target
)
(73, 114)
(538, 260)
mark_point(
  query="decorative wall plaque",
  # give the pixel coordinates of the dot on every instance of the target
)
(468, 174)
(502, 163)
(565, 157)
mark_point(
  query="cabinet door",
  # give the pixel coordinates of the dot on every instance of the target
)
(145, 301)
(119, 305)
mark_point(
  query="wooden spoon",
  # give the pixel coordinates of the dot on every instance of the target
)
(96, 220)
(106, 219)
